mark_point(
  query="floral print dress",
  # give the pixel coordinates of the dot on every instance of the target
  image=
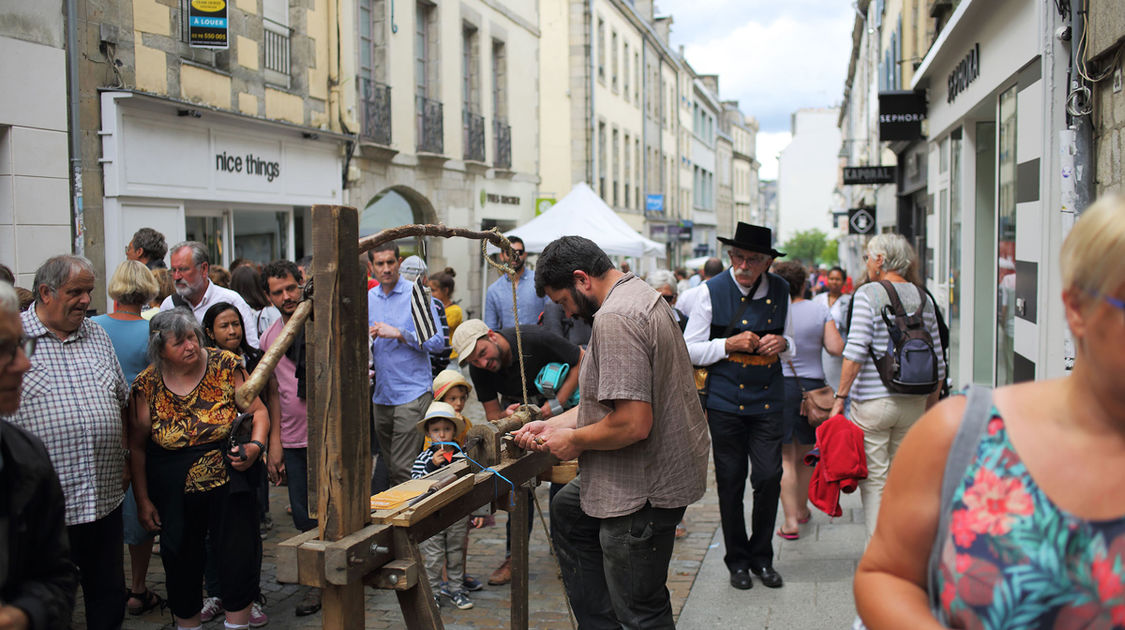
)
(203, 416)
(1016, 560)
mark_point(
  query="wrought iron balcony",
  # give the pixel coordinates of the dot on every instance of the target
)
(430, 130)
(503, 133)
(376, 111)
(474, 136)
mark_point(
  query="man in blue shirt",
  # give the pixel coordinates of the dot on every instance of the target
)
(498, 300)
(402, 365)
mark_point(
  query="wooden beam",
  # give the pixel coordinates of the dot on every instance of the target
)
(486, 488)
(417, 601)
(287, 561)
(342, 458)
(518, 519)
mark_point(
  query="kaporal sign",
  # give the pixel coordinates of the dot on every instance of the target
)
(965, 73)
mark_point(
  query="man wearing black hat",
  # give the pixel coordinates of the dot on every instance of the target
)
(739, 328)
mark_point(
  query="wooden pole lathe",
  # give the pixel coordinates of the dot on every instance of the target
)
(340, 409)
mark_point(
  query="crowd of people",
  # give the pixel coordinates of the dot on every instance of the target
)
(124, 426)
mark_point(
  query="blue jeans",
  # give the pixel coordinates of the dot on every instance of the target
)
(297, 471)
(615, 570)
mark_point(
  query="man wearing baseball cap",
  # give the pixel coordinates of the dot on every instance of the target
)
(495, 370)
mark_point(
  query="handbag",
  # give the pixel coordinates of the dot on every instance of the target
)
(816, 404)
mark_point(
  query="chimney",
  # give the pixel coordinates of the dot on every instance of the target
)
(663, 26)
(646, 9)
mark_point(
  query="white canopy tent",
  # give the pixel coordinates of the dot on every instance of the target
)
(583, 213)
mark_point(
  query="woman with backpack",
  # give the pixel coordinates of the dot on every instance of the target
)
(889, 330)
(1006, 508)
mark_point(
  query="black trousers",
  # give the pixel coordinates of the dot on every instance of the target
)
(741, 445)
(232, 522)
(95, 548)
(615, 570)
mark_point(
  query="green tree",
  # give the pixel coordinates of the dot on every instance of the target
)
(811, 246)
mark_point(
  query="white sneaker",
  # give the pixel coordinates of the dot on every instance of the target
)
(258, 618)
(212, 607)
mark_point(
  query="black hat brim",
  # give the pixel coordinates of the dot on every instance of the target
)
(751, 247)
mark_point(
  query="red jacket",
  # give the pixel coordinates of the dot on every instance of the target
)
(842, 463)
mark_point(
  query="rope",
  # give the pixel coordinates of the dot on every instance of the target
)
(511, 273)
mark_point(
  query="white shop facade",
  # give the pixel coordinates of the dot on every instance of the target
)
(242, 186)
(995, 83)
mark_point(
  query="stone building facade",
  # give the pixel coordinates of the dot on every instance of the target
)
(448, 108)
(228, 146)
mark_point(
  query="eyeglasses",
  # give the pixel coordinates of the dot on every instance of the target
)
(739, 260)
(668, 298)
(8, 350)
(1112, 301)
(519, 252)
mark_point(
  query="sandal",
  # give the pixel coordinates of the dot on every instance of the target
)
(148, 599)
(802, 521)
(788, 535)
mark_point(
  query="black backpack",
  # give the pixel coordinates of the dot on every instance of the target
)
(910, 363)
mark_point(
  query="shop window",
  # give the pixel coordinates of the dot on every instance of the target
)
(954, 311)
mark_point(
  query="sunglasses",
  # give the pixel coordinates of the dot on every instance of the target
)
(519, 252)
(668, 298)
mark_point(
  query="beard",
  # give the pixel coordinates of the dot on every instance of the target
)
(586, 307)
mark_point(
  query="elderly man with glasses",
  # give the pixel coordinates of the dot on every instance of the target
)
(740, 328)
(73, 399)
(498, 299)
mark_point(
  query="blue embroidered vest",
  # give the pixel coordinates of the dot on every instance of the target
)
(738, 387)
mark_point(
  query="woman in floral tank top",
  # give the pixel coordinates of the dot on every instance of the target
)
(1037, 521)
(189, 482)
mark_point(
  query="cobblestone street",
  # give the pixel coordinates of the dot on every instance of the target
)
(486, 551)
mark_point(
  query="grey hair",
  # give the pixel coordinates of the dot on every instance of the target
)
(199, 253)
(9, 301)
(897, 252)
(661, 278)
(171, 325)
(56, 271)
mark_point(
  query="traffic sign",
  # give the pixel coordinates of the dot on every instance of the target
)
(861, 221)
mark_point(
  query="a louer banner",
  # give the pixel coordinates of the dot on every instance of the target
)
(207, 24)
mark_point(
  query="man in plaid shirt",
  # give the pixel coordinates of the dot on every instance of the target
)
(73, 400)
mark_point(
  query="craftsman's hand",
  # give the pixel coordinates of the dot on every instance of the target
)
(512, 408)
(147, 515)
(385, 331)
(533, 435)
(477, 522)
(837, 407)
(561, 444)
(546, 410)
(13, 618)
(771, 345)
(745, 341)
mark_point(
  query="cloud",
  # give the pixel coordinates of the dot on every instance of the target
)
(773, 57)
(770, 144)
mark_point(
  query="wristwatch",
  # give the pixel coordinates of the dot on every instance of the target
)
(839, 395)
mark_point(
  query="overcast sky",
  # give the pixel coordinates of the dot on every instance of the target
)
(772, 56)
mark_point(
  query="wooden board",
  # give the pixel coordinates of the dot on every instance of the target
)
(431, 504)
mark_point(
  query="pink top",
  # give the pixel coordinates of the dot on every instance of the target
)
(294, 413)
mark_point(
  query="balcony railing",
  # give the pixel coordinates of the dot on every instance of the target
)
(473, 125)
(503, 133)
(276, 52)
(430, 131)
(376, 112)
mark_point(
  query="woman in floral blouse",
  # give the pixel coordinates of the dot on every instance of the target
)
(1037, 521)
(188, 480)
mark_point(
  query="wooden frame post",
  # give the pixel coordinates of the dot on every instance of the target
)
(517, 516)
(339, 416)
